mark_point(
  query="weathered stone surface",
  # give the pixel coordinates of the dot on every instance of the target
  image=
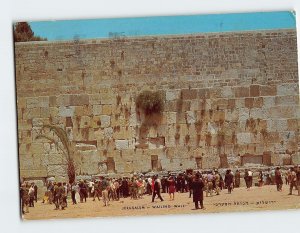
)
(108, 132)
(106, 109)
(268, 90)
(277, 125)
(172, 95)
(190, 117)
(121, 144)
(97, 109)
(296, 158)
(209, 162)
(66, 111)
(254, 90)
(78, 100)
(242, 92)
(105, 121)
(287, 88)
(243, 138)
(188, 94)
(222, 95)
(227, 92)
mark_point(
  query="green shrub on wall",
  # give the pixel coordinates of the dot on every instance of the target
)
(150, 102)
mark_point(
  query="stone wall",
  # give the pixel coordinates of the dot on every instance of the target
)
(226, 95)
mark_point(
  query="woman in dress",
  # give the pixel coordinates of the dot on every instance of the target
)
(171, 183)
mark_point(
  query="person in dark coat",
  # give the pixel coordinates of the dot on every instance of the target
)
(278, 179)
(247, 179)
(229, 180)
(156, 190)
(197, 187)
(237, 178)
(35, 191)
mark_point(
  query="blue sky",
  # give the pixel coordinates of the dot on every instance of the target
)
(163, 25)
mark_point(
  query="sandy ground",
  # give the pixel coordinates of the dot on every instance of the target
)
(256, 199)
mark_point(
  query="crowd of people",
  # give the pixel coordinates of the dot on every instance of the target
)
(194, 183)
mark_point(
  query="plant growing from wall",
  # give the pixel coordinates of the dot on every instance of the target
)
(251, 124)
(150, 102)
(67, 149)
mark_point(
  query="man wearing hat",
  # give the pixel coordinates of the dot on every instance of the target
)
(197, 187)
(25, 197)
(156, 189)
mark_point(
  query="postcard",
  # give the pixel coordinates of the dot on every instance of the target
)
(161, 115)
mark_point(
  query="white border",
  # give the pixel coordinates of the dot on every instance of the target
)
(16, 10)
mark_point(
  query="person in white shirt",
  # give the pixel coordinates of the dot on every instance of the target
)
(31, 196)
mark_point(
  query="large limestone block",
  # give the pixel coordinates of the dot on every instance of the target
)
(66, 111)
(63, 100)
(45, 112)
(279, 125)
(242, 92)
(106, 109)
(210, 161)
(172, 94)
(121, 144)
(25, 173)
(170, 141)
(211, 128)
(254, 90)
(89, 162)
(188, 94)
(287, 89)
(31, 113)
(79, 100)
(106, 96)
(56, 158)
(284, 112)
(269, 101)
(259, 113)
(232, 115)
(95, 99)
(85, 122)
(108, 132)
(35, 102)
(37, 148)
(287, 100)
(240, 103)
(296, 158)
(26, 161)
(243, 114)
(190, 117)
(268, 90)
(57, 170)
(128, 167)
(105, 121)
(97, 109)
(227, 92)
(243, 138)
